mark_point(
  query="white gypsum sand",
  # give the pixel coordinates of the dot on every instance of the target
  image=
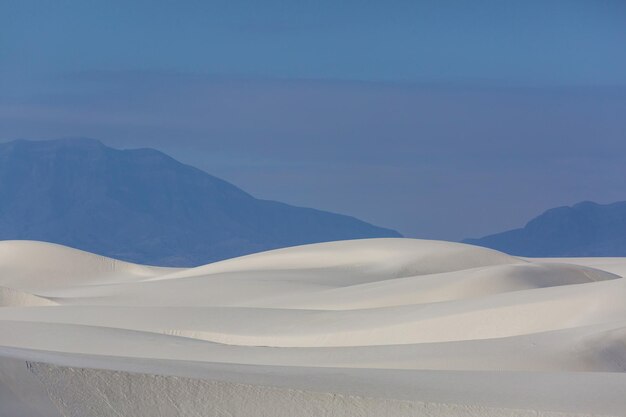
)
(377, 327)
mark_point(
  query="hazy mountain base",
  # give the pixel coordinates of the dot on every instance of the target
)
(142, 206)
(81, 392)
(583, 230)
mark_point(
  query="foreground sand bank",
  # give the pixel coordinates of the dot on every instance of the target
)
(357, 328)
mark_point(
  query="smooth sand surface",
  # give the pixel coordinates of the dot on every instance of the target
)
(377, 327)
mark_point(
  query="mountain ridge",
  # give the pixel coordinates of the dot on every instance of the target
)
(583, 229)
(144, 206)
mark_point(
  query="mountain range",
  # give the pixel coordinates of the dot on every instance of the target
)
(584, 229)
(143, 206)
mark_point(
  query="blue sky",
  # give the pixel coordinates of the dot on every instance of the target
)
(442, 119)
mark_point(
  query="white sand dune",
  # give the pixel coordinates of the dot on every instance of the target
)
(379, 327)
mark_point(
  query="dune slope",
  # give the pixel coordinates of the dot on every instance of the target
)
(395, 327)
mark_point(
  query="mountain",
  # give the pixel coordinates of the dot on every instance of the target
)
(585, 229)
(143, 206)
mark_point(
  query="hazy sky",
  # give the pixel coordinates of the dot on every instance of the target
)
(442, 119)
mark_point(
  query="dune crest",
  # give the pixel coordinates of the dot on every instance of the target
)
(397, 326)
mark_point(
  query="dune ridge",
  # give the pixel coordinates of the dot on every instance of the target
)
(452, 328)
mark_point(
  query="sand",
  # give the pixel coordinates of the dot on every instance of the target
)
(376, 327)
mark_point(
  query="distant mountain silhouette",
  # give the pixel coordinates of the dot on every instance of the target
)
(141, 205)
(585, 229)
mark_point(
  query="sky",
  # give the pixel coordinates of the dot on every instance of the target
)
(442, 119)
